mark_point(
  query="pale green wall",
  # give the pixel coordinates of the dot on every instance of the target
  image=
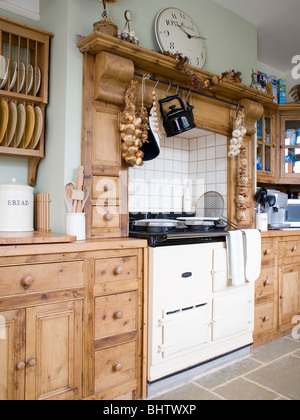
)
(231, 42)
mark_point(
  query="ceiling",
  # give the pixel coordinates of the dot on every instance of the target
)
(278, 28)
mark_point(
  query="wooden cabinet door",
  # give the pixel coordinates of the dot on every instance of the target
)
(12, 355)
(54, 341)
(289, 292)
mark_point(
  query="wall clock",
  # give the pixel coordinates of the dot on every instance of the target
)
(176, 31)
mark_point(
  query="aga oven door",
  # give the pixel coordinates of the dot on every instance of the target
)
(184, 329)
(180, 276)
(233, 312)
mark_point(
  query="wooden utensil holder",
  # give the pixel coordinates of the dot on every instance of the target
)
(42, 212)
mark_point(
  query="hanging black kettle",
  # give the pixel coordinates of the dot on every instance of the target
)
(178, 120)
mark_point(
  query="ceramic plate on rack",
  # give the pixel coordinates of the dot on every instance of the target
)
(20, 123)
(12, 122)
(4, 113)
(30, 78)
(38, 127)
(29, 126)
(13, 75)
(38, 80)
(4, 80)
(22, 76)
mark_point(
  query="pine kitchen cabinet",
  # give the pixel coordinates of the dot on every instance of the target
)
(72, 320)
(277, 297)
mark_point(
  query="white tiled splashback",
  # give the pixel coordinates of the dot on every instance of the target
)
(198, 163)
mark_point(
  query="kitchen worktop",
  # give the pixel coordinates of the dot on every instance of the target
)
(280, 233)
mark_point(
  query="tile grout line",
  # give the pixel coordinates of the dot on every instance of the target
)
(209, 390)
(265, 387)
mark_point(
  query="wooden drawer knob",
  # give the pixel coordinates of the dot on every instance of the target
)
(108, 217)
(267, 252)
(266, 318)
(31, 362)
(117, 367)
(118, 314)
(21, 365)
(294, 249)
(266, 283)
(118, 271)
(281, 297)
(108, 187)
(27, 282)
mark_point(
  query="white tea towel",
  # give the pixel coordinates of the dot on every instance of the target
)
(236, 261)
(252, 247)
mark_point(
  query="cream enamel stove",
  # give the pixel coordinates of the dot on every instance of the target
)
(195, 314)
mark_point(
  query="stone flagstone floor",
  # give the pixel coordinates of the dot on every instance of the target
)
(272, 372)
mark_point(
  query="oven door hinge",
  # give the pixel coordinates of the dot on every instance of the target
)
(164, 321)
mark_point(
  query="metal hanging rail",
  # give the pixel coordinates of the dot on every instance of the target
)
(154, 79)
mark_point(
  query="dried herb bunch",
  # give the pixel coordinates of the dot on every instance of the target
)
(201, 82)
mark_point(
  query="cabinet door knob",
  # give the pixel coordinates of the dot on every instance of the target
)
(281, 297)
(266, 319)
(118, 271)
(21, 365)
(294, 249)
(118, 314)
(117, 367)
(266, 283)
(267, 252)
(27, 282)
(31, 362)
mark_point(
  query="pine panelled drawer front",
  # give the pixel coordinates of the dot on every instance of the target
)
(115, 275)
(115, 315)
(265, 285)
(115, 366)
(289, 249)
(106, 188)
(268, 255)
(264, 318)
(40, 277)
(106, 217)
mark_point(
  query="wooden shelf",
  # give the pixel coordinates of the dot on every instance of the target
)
(160, 65)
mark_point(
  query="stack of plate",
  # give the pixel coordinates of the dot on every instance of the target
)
(20, 122)
(34, 78)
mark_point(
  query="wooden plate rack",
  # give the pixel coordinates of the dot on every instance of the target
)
(26, 49)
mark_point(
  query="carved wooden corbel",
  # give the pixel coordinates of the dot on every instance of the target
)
(112, 76)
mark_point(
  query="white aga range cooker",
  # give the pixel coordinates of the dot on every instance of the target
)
(198, 311)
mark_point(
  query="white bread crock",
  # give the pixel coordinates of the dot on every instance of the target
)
(16, 207)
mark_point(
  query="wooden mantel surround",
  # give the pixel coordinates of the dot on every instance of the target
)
(109, 65)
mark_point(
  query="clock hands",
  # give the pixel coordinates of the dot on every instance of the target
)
(182, 27)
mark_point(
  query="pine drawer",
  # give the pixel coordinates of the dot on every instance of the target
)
(115, 366)
(289, 249)
(116, 275)
(27, 279)
(115, 318)
(264, 318)
(265, 285)
(268, 254)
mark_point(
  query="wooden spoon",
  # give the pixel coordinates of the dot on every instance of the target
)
(69, 188)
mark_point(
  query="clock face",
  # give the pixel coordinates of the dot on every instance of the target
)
(177, 32)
